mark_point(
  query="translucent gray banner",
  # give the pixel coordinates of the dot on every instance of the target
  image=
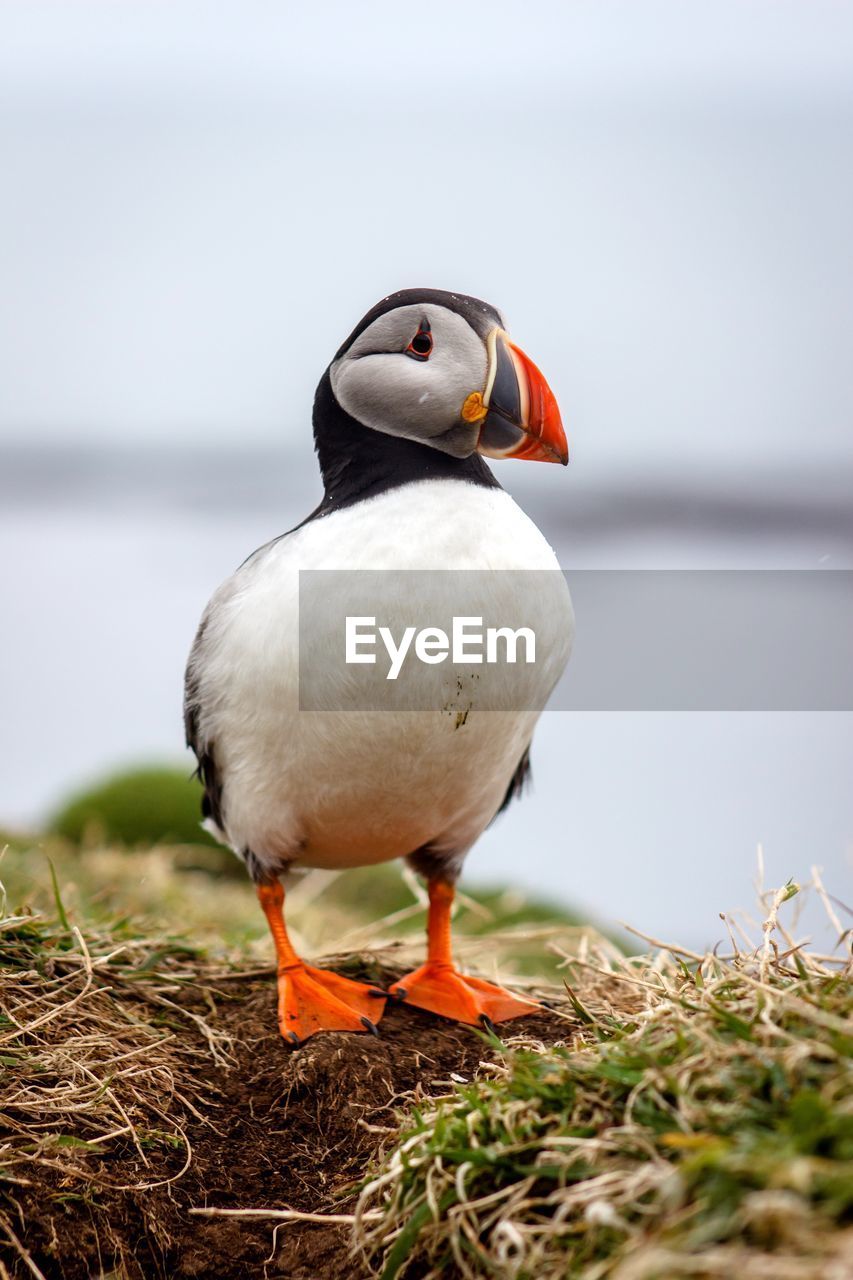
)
(647, 640)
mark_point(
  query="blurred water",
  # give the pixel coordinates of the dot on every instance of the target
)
(107, 561)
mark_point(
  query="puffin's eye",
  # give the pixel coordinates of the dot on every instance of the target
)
(421, 345)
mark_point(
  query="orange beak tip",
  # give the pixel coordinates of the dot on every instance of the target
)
(523, 418)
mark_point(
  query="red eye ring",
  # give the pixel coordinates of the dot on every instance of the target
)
(420, 348)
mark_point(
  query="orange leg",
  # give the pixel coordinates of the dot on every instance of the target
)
(311, 1000)
(439, 986)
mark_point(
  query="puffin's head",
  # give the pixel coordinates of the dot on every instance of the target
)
(439, 368)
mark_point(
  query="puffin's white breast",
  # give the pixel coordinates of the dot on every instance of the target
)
(348, 787)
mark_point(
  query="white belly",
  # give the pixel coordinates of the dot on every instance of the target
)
(343, 787)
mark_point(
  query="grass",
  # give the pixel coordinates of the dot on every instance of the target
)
(149, 889)
(89, 1043)
(699, 1123)
(156, 804)
(695, 1120)
(114, 1040)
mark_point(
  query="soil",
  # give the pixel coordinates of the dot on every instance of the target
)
(282, 1128)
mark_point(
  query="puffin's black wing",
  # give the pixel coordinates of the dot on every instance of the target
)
(211, 802)
(518, 781)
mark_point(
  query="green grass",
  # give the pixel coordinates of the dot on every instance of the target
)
(701, 1124)
(138, 807)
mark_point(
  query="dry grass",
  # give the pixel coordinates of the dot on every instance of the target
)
(146, 891)
(699, 1124)
(92, 1048)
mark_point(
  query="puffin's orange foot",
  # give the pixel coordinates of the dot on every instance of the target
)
(440, 988)
(312, 1000)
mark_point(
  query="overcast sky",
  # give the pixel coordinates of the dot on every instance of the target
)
(200, 201)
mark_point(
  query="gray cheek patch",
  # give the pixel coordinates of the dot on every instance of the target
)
(388, 391)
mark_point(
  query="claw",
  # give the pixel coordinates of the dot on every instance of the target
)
(370, 1026)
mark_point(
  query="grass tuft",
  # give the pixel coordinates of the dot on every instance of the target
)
(88, 1045)
(699, 1122)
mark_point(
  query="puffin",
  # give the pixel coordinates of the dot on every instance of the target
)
(427, 386)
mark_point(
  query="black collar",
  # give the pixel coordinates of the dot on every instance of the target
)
(358, 463)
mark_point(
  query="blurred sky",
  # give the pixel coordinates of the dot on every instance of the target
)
(201, 199)
(198, 203)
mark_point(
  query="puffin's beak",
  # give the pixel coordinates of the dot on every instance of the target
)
(521, 418)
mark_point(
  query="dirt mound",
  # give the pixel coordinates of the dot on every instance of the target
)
(272, 1129)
